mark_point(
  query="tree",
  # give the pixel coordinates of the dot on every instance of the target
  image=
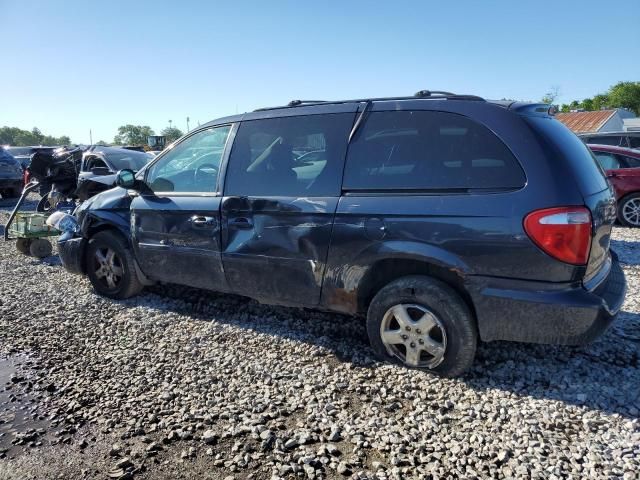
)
(552, 95)
(172, 134)
(132, 135)
(102, 142)
(587, 104)
(625, 95)
(600, 101)
(18, 137)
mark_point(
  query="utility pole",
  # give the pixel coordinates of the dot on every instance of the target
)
(90, 137)
(170, 123)
(187, 124)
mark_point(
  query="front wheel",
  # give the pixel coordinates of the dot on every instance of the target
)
(422, 323)
(629, 210)
(111, 266)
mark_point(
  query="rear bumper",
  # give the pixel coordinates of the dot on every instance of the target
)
(71, 252)
(537, 312)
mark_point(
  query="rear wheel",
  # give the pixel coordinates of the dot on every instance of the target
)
(422, 323)
(111, 266)
(629, 210)
(40, 248)
(13, 192)
(22, 245)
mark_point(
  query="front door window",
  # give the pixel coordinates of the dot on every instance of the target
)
(192, 165)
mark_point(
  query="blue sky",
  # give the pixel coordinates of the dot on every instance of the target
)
(74, 65)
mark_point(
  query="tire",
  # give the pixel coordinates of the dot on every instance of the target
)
(111, 266)
(437, 334)
(40, 248)
(12, 193)
(22, 245)
(629, 210)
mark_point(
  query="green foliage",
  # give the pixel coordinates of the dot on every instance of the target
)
(132, 135)
(625, 95)
(102, 142)
(23, 138)
(620, 95)
(172, 134)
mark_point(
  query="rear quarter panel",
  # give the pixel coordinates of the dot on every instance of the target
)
(470, 234)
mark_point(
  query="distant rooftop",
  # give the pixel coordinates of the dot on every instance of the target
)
(585, 122)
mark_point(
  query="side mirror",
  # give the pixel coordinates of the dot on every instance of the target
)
(126, 178)
(100, 171)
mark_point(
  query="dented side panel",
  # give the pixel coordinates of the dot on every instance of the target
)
(275, 248)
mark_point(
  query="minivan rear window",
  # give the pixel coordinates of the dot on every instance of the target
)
(581, 161)
(427, 150)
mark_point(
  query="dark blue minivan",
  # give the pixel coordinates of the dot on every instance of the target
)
(444, 219)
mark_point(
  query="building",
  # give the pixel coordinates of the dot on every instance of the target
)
(631, 124)
(597, 121)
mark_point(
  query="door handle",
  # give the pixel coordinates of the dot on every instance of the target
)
(202, 222)
(241, 223)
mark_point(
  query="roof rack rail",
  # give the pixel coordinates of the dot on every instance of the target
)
(426, 94)
(295, 103)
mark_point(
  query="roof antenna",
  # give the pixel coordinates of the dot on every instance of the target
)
(423, 93)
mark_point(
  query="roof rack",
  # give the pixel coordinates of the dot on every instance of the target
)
(425, 94)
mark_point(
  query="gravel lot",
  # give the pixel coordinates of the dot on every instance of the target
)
(180, 382)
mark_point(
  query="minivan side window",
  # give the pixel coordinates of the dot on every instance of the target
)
(192, 165)
(289, 156)
(426, 150)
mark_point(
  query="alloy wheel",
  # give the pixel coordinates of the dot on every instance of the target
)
(631, 211)
(108, 267)
(414, 335)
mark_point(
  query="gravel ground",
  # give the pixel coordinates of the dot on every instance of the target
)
(179, 382)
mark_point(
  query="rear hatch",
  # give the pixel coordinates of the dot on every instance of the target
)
(598, 195)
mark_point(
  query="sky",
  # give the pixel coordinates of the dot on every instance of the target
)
(69, 66)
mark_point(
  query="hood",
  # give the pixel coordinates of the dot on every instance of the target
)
(114, 199)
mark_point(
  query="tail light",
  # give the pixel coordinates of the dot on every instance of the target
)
(562, 232)
(26, 177)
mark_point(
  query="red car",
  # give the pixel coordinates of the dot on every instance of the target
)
(622, 166)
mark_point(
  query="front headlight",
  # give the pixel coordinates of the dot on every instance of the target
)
(64, 222)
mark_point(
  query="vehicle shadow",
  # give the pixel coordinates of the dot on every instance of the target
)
(602, 376)
(627, 251)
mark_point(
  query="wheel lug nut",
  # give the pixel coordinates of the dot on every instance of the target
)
(404, 337)
(407, 328)
(413, 345)
(420, 341)
(418, 331)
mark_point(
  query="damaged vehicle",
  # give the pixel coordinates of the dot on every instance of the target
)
(10, 175)
(442, 219)
(100, 165)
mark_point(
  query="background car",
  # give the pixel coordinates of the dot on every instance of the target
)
(100, 165)
(622, 166)
(10, 175)
(23, 154)
(616, 139)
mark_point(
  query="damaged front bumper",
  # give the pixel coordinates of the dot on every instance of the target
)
(72, 253)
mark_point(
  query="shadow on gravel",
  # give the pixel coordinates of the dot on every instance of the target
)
(627, 251)
(602, 376)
